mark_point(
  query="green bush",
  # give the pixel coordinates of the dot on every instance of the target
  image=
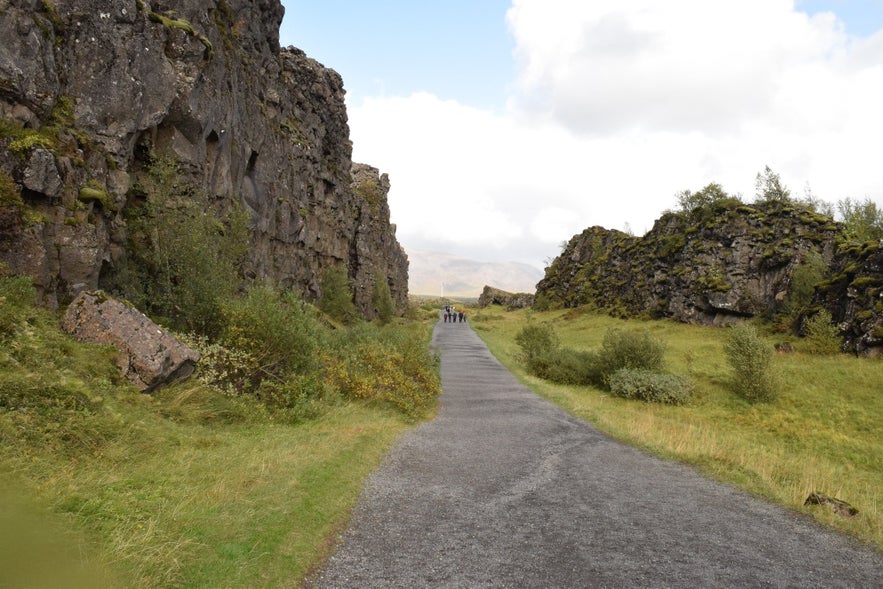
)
(629, 349)
(806, 275)
(648, 385)
(336, 299)
(382, 300)
(537, 340)
(822, 336)
(273, 328)
(751, 359)
(183, 254)
(566, 366)
(298, 398)
(17, 297)
(391, 365)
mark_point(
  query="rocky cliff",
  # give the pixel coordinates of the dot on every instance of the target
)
(718, 264)
(91, 90)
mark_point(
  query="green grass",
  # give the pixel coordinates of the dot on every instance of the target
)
(190, 504)
(102, 486)
(824, 432)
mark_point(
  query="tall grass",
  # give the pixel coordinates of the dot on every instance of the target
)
(198, 484)
(824, 431)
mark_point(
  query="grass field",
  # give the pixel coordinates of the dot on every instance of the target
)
(824, 433)
(178, 504)
(102, 486)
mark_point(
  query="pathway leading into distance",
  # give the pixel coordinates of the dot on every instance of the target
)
(503, 489)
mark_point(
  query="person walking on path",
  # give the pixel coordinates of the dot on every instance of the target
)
(504, 489)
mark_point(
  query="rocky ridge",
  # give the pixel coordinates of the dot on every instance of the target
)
(90, 91)
(720, 264)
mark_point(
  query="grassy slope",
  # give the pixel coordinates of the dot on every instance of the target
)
(824, 433)
(101, 486)
(184, 504)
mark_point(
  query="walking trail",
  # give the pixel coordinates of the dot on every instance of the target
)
(503, 489)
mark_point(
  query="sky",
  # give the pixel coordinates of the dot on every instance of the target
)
(507, 127)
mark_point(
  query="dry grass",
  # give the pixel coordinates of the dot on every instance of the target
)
(824, 432)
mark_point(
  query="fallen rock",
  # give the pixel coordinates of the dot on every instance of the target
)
(512, 301)
(838, 506)
(149, 355)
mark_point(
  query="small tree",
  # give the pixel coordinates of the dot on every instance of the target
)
(751, 359)
(336, 299)
(183, 254)
(807, 274)
(710, 196)
(769, 188)
(536, 340)
(381, 299)
(629, 349)
(863, 220)
(822, 336)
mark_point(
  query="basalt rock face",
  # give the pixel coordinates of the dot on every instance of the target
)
(90, 91)
(377, 253)
(854, 295)
(495, 296)
(709, 267)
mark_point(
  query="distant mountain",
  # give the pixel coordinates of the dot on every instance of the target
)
(463, 277)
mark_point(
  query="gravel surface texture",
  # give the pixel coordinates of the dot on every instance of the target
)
(504, 489)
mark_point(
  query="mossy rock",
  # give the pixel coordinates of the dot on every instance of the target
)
(94, 192)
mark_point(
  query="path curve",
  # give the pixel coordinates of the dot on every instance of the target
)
(504, 489)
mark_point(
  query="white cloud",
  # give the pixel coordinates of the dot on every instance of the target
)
(621, 103)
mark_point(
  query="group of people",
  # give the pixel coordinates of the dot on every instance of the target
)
(451, 315)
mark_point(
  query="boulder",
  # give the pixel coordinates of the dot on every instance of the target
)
(149, 355)
(838, 506)
(510, 300)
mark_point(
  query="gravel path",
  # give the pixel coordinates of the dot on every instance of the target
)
(503, 489)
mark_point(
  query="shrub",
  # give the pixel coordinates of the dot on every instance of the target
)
(382, 300)
(184, 255)
(629, 349)
(298, 398)
(566, 366)
(648, 385)
(806, 275)
(392, 365)
(751, 359)
(536, 340)
(17, 297)
(336, 299)
(822, 336)
(275, 329)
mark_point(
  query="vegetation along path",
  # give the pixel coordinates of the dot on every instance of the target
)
(503, 489)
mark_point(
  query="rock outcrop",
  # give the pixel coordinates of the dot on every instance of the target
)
(717, 265)
(90, 91)
(736, 262)
(853, 294)
(149, 356)
(495, 296)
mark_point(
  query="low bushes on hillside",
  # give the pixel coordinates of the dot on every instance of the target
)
(629, 364)
(649, 385)
(751, 359)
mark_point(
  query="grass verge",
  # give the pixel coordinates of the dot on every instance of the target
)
(824, 432)
(170, 504)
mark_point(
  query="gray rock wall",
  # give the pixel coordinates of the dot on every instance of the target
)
(89, 89)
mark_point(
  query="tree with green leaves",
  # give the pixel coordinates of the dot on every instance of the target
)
(183, 254)
(713, 194)
(381, 299)
(863, 220)
(769, 188)
(336, 299)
